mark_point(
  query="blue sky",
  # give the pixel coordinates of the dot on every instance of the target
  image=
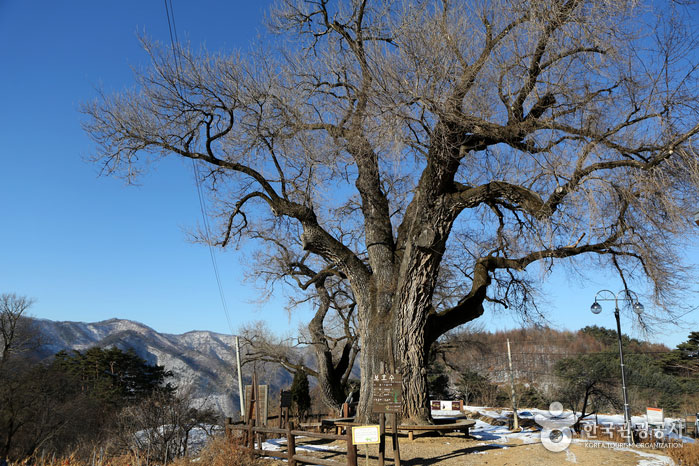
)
(89, 248)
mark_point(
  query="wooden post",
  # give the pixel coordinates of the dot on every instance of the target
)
(249, 414)
(512, 383)
(250, 439)
(281, 410)
(382, 438)
(291, 445)
(396, 447)
(351, 449)
(256, 396)
(394, 434)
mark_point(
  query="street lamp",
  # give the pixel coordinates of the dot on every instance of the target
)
(596, 308)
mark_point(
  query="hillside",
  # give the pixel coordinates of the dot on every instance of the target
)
(200, 360)
(551, 365)
(535, 351)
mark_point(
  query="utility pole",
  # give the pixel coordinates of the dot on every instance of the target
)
(240, 378)
(512, 384)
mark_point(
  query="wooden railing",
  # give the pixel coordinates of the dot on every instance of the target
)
(253, 438)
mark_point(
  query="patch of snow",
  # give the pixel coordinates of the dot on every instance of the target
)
(275, 444)
(650, 459)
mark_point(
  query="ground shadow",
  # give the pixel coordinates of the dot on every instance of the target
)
(419, 461)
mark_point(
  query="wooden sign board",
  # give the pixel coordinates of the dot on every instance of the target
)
(366, 435)
(285, 399)
(388, 393)
(262, 402)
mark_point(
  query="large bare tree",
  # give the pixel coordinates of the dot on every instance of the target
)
(436, 148)
(331, 333)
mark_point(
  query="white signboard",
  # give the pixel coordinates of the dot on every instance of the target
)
(445, 408)
(365, 435)
(655, 415)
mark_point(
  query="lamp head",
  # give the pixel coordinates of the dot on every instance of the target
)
(596, 308)
(638, 308)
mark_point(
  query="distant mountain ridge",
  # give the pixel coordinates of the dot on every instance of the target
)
(201, 360)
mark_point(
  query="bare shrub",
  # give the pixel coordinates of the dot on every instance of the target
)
(221, 451)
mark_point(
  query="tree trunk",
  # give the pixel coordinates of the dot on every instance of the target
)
(329, 380)
(375, 337)
(330, 375)
(412, 359)
(397, 328)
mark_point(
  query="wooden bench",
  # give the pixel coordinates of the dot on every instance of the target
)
(461, 425)
(336, 423)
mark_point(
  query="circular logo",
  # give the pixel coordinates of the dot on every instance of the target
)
(556, 439)
(556, 434)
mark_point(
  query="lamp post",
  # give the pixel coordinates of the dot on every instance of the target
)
(596, 308)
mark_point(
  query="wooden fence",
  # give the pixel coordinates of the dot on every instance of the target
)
(253, 438)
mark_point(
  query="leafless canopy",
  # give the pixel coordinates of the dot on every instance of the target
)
(404, 141)
(14, 331)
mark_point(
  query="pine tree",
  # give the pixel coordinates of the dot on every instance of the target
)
(300, 393)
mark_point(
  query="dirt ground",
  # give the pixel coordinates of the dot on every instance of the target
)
(453, 450)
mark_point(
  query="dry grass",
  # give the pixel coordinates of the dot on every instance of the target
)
(220, 452)
(217, 452)
(685, 455)
(74, 460)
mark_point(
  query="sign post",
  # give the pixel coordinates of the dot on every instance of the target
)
(388, 393)
(366, 435)
(388, 398)
(284, 405)
(261, 402)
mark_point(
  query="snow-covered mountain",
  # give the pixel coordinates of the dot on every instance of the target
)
(200, 360)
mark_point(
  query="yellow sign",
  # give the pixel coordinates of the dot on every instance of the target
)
(366, 435)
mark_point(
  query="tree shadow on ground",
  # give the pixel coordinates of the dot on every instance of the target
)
(419, 461)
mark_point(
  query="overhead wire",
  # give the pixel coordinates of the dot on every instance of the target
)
(174, 41)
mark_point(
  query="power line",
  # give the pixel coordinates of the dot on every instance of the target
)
(174, 41)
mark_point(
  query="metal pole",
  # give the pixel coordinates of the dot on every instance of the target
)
(627, 410)
(240, 378)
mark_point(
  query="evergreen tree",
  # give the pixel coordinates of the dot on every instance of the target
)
(112, 375)
(300, 393)
(438, 382)
(684, 360)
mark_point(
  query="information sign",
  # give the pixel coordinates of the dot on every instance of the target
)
(655, 415)
(366, 435)
(286, 399)
(387, 393)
